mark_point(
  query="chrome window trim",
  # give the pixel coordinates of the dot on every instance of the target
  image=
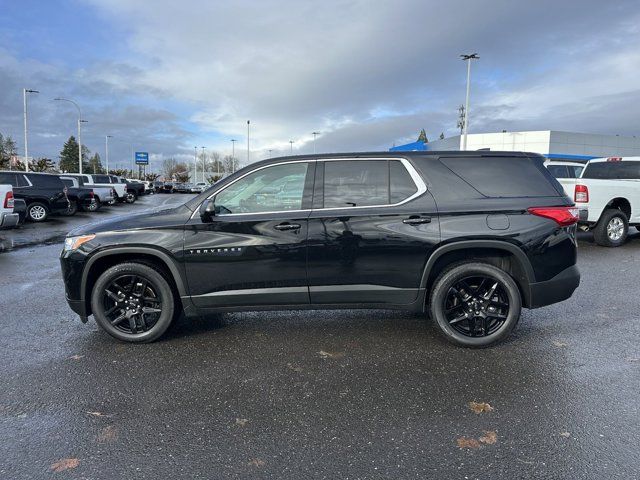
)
(413, 173)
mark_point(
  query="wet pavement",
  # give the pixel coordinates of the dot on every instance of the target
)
(348, 394)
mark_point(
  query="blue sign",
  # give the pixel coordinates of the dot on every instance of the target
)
(142, 158)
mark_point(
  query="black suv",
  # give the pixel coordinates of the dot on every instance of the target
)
(43, 193)
(470, 237)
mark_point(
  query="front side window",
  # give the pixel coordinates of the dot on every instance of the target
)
(271, 189)
(101, 179)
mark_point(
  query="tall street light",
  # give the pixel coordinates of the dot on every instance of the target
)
(195, 164)
(270, 153)
(248, 122)
(203, 160)
(80, 122)
(233, 155)
(467, 58)
(291, 146)
(26, 141)
(315, 134)
(106, 149)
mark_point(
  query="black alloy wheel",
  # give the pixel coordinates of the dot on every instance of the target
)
(133, 302)
(475, 304)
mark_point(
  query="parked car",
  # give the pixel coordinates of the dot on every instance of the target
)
(157, 186)
(106, 181)
(200, 187)
(180, 187)
(566, 173)
(167, 187)
(80, 198)
(43, 193)
(134, 189)
(471, 237)
(608, 192)
(8, 217)
(139, 186)
(101, 195)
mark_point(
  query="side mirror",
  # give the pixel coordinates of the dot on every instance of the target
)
(207, 210)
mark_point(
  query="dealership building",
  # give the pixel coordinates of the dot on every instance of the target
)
(553, 144)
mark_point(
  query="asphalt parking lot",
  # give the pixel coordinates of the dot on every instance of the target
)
(348, 394)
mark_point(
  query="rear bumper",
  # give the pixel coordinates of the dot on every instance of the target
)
(556, 289)
(9, 219)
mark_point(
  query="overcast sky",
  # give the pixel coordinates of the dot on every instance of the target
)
(164, 76)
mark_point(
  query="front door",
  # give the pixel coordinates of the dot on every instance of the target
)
(252, 251)
(373, 226)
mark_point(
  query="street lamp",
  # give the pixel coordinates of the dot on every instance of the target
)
(195, 164)
(315, 134)
(233, 154)
(270, 153)
(467, 58)
(248, 122)
(80, 121)
(203, 159)
(291, 142)
(26, 141)
(106, 149)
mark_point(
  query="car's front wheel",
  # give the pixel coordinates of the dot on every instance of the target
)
(133, 302)
(475, 304)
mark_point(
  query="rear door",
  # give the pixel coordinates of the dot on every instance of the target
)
(372, 228)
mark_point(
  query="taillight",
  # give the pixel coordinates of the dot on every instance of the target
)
(581, 194)
(563, 216)
(8, 200)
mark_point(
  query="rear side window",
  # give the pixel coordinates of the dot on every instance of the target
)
(8, 179)
(401, 185)
(504, 176)
(48, 181)
(67, 182)
(354, 183)
(559, 171)
(613, 170)
(102, 179)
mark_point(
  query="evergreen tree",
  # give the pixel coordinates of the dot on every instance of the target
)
(69, 157)
(423, 136)
(42, 165)
(95, 164)
(442, 136)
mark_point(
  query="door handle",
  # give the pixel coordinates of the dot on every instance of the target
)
(416, 220)
(287, 226)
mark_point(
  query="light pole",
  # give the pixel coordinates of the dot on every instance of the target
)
(315, 134)
(26, 141)
(270, 153)
(106, 149)
(80, 121)
(203, 160)
(291, 146)
(248, 122)
(233, 155)
(195, 164)
(467, 58)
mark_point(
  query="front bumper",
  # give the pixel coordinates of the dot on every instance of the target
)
(9, 220)
(556, 289)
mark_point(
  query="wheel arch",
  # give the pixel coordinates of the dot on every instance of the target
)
(104, 259)
(621, 204)
(501, 254)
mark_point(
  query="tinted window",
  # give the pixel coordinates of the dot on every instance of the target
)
(67, 182)
(356, 183)
(8, 179)
(271, 189)
(101, 179)
(504, 176)
(575, 170)
(86, 179)
(48, 181)
(613, 170)
(400, 182)
(559, 171)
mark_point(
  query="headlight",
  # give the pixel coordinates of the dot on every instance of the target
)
(73, 243)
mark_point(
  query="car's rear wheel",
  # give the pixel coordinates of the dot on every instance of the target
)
(130, 197)
(133, 302)
(37, 212)
(71, 210)
(92, 207)
(612, 228)
(475, 304)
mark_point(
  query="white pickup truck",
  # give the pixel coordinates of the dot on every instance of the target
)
(608, 195)
(8, 218)
(104, 181)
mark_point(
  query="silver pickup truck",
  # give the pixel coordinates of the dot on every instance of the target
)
(8, 218)
(103, 195)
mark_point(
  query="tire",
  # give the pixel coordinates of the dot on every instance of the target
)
(126, 283)
(92, 207)
(37, 212)
(638, 227)
(130, 197)
(612, 228)
(486, 322)
(72, 210)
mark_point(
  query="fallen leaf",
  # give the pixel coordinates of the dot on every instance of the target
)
(465, 442)
(97, 414)
(76, 357)
(565, 434)
(22, 415)
(295, 368)
(489, 437)
(633, 359)
(480, 407)
(241, 421)
(256, 462)
(324, 354)
(107, 434)
(559, 344)
(65, 464)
